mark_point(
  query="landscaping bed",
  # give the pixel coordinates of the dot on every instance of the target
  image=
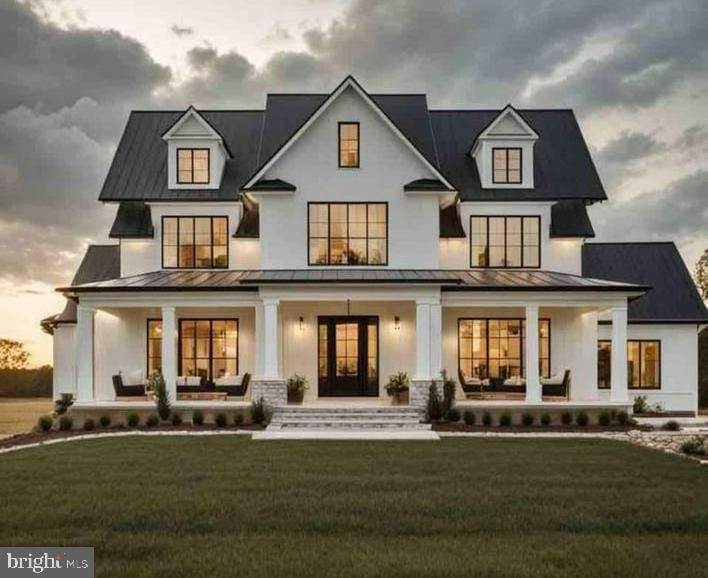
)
(444, 426)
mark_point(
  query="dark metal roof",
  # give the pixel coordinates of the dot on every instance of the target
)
(425, 185)
(249, 225)
(673, 297)
(133, 221)
(450, 223)
(271, 185)
(570, 219)
(469, 280)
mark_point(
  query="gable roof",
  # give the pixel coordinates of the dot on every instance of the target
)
(673, 297)
(133, 221)
(193, 113)
(507, 111)
(570, 219)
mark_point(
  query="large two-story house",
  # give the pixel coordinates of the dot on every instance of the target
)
(349, 236)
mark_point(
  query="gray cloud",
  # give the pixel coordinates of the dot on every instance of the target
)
(182, 31)
(693, 136)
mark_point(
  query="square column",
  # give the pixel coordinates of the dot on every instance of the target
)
(169, 351)
(422, 340)
(533, 382)
(268, 340)
(85, 317)
(436, 363)
(618, 378)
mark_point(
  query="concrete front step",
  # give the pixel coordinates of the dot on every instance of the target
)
(386, 410)
(327, 416)
(350, 424)
(351, 434)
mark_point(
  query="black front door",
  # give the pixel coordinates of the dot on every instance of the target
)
(348, 356)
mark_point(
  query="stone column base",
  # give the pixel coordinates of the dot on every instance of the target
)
(273, 391)
(419, 391)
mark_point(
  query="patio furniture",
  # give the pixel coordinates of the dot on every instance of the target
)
(226, 385)
(470, 384)
(557, 386)
(202, 396)
(127, 390)
(193, 384)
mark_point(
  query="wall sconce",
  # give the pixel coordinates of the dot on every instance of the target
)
(396, 322)
(302, 323)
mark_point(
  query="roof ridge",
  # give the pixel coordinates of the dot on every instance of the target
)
(632, 243)
(497, 110)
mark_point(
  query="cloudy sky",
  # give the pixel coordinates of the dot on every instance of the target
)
(636, 73)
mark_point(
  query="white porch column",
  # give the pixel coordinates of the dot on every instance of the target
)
(436, 364)
(422, 340)
(259, 340)
(84, 353)
(169, 350)
(271, 366)
(618, 378)
(533, 383)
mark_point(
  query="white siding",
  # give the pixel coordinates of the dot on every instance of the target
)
(64, 353)
(217, 159)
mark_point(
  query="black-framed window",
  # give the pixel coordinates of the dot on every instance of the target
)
(195, 242)
(347, 233)
(506, 166)
(349, 145)
(208, 348)
(505, 241)
(643, 363)
(154, 345)
(192, 166)
(494, 348)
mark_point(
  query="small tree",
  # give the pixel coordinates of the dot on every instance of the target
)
(700, 274)
(13, 354)
(156, 384)
(448, 401)
(433, 411)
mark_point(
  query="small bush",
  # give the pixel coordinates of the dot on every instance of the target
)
(640, 404)
(527, 419)
(622, 417)
(156, 384)
(604, 418)
(44, 423)
(582, 419)
(566, 418)
(63, 403)
(448, 400)
(545, 419)
(238, 419)
(433, 410)
(197, 417)
(133, 419)
(65, 423)
(105, 420)
(487, 418)
(176, 418)
(220, 419)
(152, 420)
(259, 411)
(470, 417)
(505, 419)
(694, 447)
(671, 425)
(89, 424)
(452, 414)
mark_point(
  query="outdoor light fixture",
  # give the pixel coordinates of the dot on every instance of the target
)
(396, 322)
(302, 323)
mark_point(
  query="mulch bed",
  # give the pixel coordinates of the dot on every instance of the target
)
(462, 427)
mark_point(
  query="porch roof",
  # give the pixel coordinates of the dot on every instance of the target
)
(451, 280)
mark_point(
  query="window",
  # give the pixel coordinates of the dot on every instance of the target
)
(494, 348)
(208, 348)
(506, 166)
(195, 242)
(192, 166)
(348, 233)
(643, 364)
(154, 346)
(349, 144)
(505, 241)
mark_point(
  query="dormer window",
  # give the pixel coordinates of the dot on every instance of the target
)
(506, 166)
(192, 166)
(349, 145)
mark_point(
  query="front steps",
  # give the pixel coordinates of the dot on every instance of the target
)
(363, 423)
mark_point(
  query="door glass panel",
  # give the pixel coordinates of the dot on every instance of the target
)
(347, 349)
(372, 351)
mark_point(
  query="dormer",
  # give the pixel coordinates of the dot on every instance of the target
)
(196, 153)
(503, 152)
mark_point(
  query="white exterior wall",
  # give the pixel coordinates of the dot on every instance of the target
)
(679, 364)
(386, 164)
(64, 352)
(562, 255)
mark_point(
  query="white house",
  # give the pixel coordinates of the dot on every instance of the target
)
(349, 236)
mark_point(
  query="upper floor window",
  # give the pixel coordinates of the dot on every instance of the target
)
(195, 242)
(192, 166)
(505, 241)
(348, 234)
(349, 144)
(506, 166)
(643, 364)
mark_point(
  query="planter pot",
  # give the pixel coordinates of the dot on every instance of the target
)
(295, 396)
(400, 398)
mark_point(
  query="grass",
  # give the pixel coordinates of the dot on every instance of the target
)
(225, 506)
(19, 415)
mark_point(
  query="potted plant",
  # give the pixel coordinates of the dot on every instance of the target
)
(297, 384)
(397, 387)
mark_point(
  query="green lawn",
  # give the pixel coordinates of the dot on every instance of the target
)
(228, 506)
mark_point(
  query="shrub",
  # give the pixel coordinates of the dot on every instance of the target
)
(220, 419)
(133, 419)
(176, 418)
(65, 423)
(259, 411)
(527, 419)
(152, 420)
(622, 417)
(448, 401)
(296, 387)
(470, 417)
(566, 418)
(505, 419)
(156, 384)
(487, 418)
(582, 419)
(671, 425)
(63, 403)
(545, 419)
(44, 423)
(452, 414)
(105, 420)
(89, 424)
(433, 409)
(694, 447)
(197, 417)
(640, 404)
(238, 419)
(604, 418)
(397, 384)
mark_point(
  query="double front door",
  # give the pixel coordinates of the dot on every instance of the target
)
(348, 356)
